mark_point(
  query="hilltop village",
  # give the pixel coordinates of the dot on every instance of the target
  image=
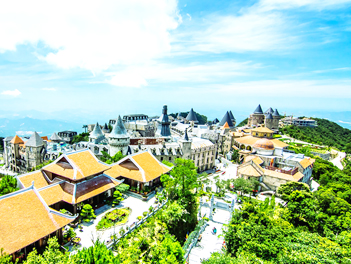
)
(110, 180)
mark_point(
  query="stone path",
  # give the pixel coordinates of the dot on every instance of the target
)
(337, 160)
(209, 242)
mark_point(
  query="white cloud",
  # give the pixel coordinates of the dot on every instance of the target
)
(191, 73)
(344, 122)
(49, 89)
(13, 93)
(90, 34)
(312, 4)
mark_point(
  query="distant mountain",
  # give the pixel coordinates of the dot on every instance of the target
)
(26, 126)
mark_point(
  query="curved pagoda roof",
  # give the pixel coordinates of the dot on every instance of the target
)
(258, 110)
(119, 130)
(226, 119)
(191, 116)
(276, 113)
(35, 141)
(96, 133)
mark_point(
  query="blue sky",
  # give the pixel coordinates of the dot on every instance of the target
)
(91, 60)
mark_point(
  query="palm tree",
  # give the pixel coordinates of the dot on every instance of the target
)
(85, 128)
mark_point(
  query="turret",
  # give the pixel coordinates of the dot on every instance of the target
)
(119, 139)
(185, 144)
(96, 136)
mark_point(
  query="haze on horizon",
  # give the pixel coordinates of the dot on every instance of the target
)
(93, 59)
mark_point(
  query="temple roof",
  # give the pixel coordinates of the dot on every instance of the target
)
(191, 116)
(276, 113)
(34, 141)
(25, 219)
(17, 140)
(258, 110)
(231, 115)
(269, 116)
(96, 133)
(119, 130)
(55, 137)
(226, 119)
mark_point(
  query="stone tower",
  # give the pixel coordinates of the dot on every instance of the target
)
(227, 119)
(191, 117)
(276, 117)
(185, 144)
(96, 136)
(119, 139)
(165, 130)
(257, 118)
(12, 153)
(269, 121)
(35, 151)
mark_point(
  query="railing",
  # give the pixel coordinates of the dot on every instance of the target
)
(289, 172)
(135, 225)
(193, 237)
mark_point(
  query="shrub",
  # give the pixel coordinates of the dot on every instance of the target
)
(151, 208)
(117, 197)
(145, 213)
(87, 213)
(121, 231)
(139, 217)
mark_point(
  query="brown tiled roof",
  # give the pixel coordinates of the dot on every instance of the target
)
(279, 144)
(80, 165)
(264, 143)
(249, 171)
(262, 130)
(150, 168)
(17, 140)
(36, 176)
(306, 162)
(55, 194)
(250, 140)
(45, 138)
(25, 219)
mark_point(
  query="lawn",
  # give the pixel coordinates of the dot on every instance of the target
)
(113, 218)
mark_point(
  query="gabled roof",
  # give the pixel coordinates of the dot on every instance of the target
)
(231, 115)
(191, 116)
(77, 165)
(36, 176)
(119, 130)
(226, 126)
(16, 140)
(269, 116)
(142, 167)
(226, 119)
(276, 113)
(55, 137)
(35, 141)
(96, 133)
(269, 111)
(25, 218)
(306, 162)
(258, 110)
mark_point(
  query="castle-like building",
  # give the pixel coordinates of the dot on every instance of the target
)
(269, 119)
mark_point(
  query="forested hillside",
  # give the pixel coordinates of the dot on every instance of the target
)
(243, 123)
(326, 133)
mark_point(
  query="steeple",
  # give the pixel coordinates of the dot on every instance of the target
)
(119, 130)
(55, 138)
(269, 111)
(119, 139)
(165, 130)
(276, 113)
(186, 137)
(269, 116)
(35, 141)
(226, 119)
(231, 116)
(96, 133)
(191, 116)
(258, 110)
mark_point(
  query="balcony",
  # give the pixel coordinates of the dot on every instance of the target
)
(289, 172)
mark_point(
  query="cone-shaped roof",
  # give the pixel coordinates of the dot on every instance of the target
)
(55, 137)
(269, 116)
(215, 121)
(191, 116)
(119, 130)
(96, 133)
(179, 116)
(186, 137)
(258, 110)
(226, 118)
(269, 111)
(226, 126)
(276, 113)
(17, 140)
(231, 115)
(35, 141)
(106, 127)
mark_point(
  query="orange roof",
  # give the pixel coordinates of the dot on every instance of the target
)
(25, 219)
(17, 140)
(226, 126)
(306, 162)
(278, 143)
(36, 176)
(55, 194)
(262, 130)
(249, 171)
(45, 138)
(250, 140)
(77, 165)
(142, 167)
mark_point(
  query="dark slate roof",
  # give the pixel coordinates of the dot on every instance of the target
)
(191, 116)
(119, 130)
(226, 118)
(35, 141)
(55, 137)
(269, 111)
(269, 116)
(231, 115)
(215, 121)
(186, 137)
(258, 110)
(276, 113)
(106, 127)
(96, 133)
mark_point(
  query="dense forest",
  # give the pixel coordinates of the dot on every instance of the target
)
(326, 133)
(201, 118)
(243, 123)
(309, 228)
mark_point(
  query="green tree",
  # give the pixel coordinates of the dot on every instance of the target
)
(286, 189)
(122, 188)
(235, 156)
(87, 213)
(109, 160)
(81, 137)
(245, 185)
(8, 184)
(117, 198)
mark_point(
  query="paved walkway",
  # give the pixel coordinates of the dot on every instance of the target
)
(90, 234)
(337, 160)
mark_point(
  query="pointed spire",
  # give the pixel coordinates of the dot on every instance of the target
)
(119, 129)
(226, 118)
(55, 137)
(231, 116)
(276, 113)
(269, 111)
(106, 127)
(269, 116)
(17, 140)
(258, 110)
(35, 140)
(215, 121)
(186, 137)
(191, 116)
(96, 133)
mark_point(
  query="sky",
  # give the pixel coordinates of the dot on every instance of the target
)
(88, 61)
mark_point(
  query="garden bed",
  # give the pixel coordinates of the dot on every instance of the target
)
(113, 218)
